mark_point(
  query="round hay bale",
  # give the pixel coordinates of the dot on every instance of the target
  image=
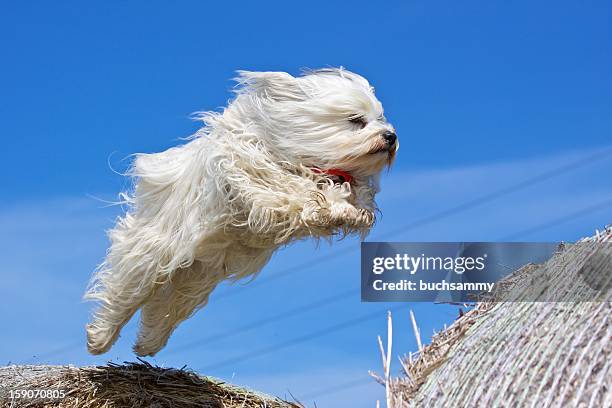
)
(526, 350)
(127, 385)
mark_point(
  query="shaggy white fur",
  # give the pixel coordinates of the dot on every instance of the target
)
(254, 178)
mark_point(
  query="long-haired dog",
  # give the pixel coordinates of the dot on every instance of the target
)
(289, 158)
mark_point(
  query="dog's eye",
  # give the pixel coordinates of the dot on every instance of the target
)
(359, 121)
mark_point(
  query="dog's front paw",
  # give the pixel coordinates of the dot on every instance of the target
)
(357, 218)
(322, 214)
(364, 218)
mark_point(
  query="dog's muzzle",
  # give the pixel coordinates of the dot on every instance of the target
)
(385, 143)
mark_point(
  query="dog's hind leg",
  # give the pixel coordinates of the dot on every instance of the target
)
(121, 285)
(176, 300)
(114, 312)
(188, 290)
(122, 296)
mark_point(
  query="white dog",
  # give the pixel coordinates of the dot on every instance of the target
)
(290, 157)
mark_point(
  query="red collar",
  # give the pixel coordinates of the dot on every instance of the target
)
(342, 175)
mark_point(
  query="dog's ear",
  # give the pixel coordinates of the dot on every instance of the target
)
(279, 86)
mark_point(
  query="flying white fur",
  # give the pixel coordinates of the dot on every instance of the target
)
(254, 178)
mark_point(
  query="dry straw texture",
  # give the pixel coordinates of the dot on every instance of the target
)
(524, 353)
(128, 385)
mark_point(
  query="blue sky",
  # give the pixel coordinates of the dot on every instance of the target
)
(483, 96)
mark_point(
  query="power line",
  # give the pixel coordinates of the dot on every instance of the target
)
(577, 214)
(335, 298)
(547, 175)
(296, 340)
(284, 273)
(339, 387)
(263, 322)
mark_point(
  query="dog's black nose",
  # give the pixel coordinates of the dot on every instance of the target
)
(390, 137)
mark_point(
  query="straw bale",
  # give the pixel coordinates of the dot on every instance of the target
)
(519, 352)
(127, 385)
